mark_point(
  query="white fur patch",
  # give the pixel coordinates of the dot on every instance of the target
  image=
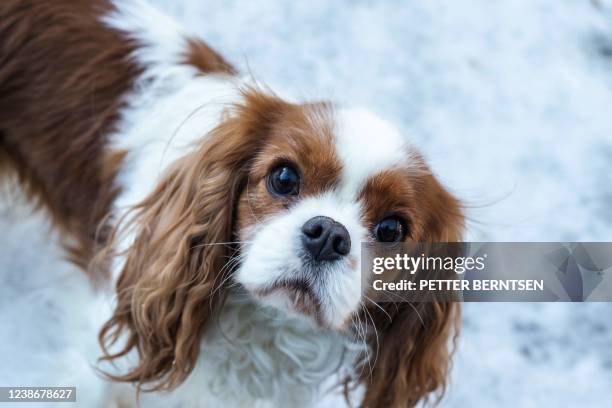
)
(366, 145)
(162, 41)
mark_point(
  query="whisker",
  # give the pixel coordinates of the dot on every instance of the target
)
(359, 338)
(190, 116)
(221, 243)
(362, 337)
(380, 307)
(403, 300)
(375, 332)
(365, 343)
(418, 314)
(227, 268)
(225, 275)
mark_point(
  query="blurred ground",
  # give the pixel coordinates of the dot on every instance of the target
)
(511, 101)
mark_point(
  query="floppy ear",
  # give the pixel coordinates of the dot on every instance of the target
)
(414, 339)
(172, 279)
(413, 353)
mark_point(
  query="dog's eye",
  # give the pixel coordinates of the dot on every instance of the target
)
(284, 180)
(390, 229)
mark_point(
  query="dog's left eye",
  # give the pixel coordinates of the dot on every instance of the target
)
(284, 180)
(390, 229)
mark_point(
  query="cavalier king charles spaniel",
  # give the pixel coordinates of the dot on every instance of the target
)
(225, 220)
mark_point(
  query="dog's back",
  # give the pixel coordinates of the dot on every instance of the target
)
(63, 75)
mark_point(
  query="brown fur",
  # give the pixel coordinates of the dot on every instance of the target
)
(57, 108)
(302, 136)
(432, 214)
(413, 353)
(205, 59)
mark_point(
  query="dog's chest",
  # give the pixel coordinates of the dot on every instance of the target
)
(257, 357)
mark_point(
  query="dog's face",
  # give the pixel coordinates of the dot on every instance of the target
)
(323, 182)
(278, 198)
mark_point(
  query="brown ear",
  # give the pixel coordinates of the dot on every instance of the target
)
(414, 339)
(413, 358)
(172, 279)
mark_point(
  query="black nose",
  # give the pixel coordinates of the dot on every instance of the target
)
(325, 239)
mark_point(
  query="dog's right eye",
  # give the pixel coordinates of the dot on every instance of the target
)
(284, 180)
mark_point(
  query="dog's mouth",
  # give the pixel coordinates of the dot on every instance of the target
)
(298, 294)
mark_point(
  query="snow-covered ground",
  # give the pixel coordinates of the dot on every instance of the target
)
(511, 101)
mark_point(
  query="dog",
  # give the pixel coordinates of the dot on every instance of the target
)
(223, 219)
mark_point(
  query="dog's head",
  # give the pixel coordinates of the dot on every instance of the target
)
(277, 199)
